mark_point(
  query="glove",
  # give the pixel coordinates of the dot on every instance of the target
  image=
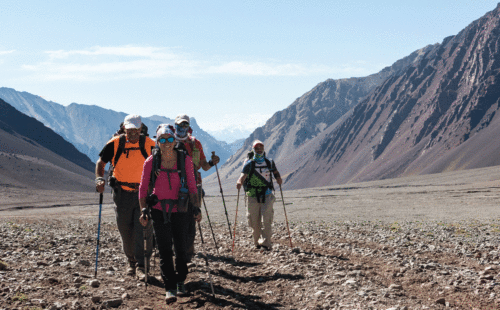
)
(214, 160)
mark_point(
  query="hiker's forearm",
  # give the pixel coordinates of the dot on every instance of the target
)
(99, 168)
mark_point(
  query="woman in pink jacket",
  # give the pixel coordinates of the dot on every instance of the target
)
(170, 221)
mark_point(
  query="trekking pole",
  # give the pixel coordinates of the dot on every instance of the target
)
(289, 236)
(206, 261)
(235, 219)
(223, 201)
(144, 231)
(210, 223)
(98, 233)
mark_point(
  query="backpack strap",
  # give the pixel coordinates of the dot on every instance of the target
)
(181, 166)
(269, 167)
(121, 147)
(252, 169)
(142, 146)
(156, 167)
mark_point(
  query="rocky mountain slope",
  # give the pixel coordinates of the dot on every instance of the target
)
(437, 115)
(311, 114)
(89, 127)
(431, 112)
(34, 156)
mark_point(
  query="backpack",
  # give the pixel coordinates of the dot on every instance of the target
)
(151, 199)
(260, 191)
(121, 149)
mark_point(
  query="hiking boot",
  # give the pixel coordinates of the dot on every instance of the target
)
(265, 248)
(130, 270)
(181, 289)
(140, 274)
(170, 296)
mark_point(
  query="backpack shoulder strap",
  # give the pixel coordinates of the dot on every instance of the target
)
(156, 166)
(181, 167)
(252, 169)
(121, 146)
(142, 146)
(269, 167)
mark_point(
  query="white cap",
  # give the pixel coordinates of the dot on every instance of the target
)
(181, 118)
(257, 142)
(132, 122)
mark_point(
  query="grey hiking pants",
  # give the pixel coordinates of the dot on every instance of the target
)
(127, 212)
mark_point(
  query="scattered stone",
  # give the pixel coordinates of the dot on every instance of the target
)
(84, 262)
(440, 301)
(94, 283)
(395, 287)
(113, 303)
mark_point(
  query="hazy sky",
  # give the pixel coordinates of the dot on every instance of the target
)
(227, 63)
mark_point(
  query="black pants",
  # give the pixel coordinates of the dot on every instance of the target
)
(174, 232)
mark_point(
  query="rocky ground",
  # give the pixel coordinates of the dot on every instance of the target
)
(429, 242)
(49, 264)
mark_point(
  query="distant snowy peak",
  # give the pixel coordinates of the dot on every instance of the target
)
(230, 135)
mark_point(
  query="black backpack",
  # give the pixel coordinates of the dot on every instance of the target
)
(181, 170)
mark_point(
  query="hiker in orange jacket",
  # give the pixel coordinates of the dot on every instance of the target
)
(127, 153)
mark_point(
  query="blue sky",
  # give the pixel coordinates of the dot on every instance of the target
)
(227, 63)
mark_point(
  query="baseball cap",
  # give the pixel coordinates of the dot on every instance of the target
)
(132, 122)
(257, 142)
(181, 118)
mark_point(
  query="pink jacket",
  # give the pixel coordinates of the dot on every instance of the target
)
(162, 187)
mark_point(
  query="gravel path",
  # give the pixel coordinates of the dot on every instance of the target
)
(417, 243)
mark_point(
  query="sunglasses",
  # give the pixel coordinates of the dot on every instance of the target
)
(169, 140)
(183, 125)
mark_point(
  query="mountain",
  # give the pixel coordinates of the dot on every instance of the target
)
(230, 135)
(34, 156)
(439, 114)
(89, 127)
(291, 129)
(432, 111)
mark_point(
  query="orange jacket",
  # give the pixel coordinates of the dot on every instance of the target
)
(130, 164)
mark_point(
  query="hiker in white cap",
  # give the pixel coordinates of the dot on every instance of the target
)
(257, 181)
(127, 153)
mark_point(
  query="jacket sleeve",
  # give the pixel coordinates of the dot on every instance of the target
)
(146, 175)
(191, 181)
(200, 147)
